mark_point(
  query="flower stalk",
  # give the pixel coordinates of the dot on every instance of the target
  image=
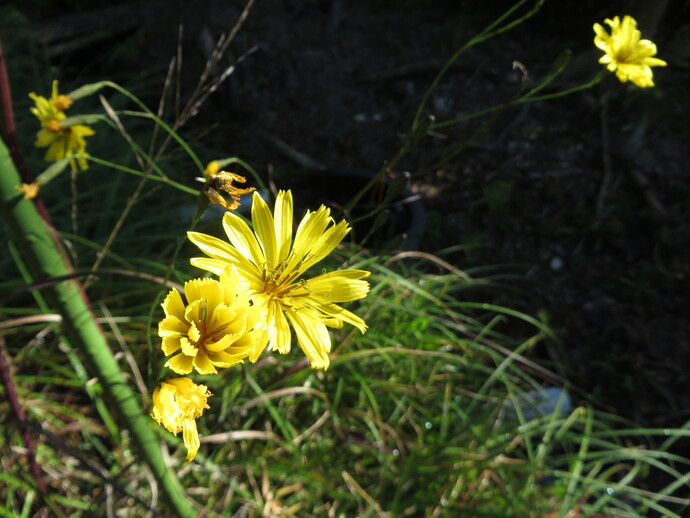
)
(42, 256)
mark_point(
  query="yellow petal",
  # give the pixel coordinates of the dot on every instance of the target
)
(203, 365)
(264, 228)
(325, 244)
(204, 294)
(242, 238)
(309, 231)
(312, 337)
(188, 348)
(260, 345)
(225, 360)
(335, 311)
(173, 305)
(171, 344)
(181, 364)
(172, 326)
(210, 265)
(222, 254)
(190, 437)
(340, 285)
(283, 224)
(278, 329)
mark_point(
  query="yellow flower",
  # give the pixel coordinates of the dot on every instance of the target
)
(625, 53)
(219, 327)
(270, 266)
(177, 402)
(64, 142)
(50, 109)
(30, 190)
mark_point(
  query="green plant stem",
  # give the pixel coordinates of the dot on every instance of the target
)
(527, 98)
(42, 257)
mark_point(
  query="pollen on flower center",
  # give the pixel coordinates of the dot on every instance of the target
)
(62, 102)
(54, 125)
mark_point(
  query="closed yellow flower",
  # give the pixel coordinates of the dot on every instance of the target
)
(177, 402)
(30, 190)
(270, 266)
(625, 53)
(218, 327)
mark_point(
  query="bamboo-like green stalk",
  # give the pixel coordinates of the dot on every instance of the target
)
(42, 256)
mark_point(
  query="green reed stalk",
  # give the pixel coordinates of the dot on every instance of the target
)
(41, 253)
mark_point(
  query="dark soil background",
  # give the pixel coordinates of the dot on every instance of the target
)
(585, 199)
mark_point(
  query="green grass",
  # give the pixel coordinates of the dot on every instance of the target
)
(430, 413)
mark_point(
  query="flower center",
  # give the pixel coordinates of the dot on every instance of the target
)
(53, 125)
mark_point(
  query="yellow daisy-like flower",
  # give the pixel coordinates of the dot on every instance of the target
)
(270, 266)
(625, 53)
(64, 142)
(177, 402)
(218, 327)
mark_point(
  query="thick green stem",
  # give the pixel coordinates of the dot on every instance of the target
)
(42, 256)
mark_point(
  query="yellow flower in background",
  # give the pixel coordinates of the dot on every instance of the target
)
(50, 109)
(218, 327)
(270, 267)
(64, 142)
(625, 53)
(30, 190)
(177, 402)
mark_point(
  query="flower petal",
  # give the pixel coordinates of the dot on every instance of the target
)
(264, 228)
(283, 224)
(325, 244)
(340, 285)
(190, 437)
(170, 344)
(241, 236)
(181, 364)
(172, 326)
(222, 254)
(173, 305)
(203, 365)
(312, 337)
(278, 329)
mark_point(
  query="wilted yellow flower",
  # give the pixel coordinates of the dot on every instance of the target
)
(625, 53)
(270, 266)
(218, 327)
(30, 190)
(50, 109)
(177, 402)
(64, 142)
(216, 180)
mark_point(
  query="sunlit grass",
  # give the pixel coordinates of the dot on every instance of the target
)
(433, 412)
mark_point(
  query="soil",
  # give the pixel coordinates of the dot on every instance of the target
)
(586, 197)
